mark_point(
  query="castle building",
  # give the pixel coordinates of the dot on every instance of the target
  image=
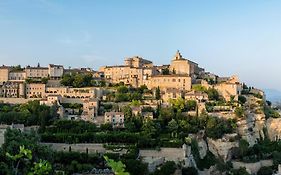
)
(135, 72)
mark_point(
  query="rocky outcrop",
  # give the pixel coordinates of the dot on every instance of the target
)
(203, 148)
(211, 171)
(274, 128)
(252, 127)
(221, 148)
(252, 168)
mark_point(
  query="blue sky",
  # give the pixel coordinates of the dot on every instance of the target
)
(240, 37)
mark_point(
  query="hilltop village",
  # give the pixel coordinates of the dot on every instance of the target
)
(168, 119)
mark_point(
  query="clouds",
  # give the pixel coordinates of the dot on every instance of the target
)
(83, 38)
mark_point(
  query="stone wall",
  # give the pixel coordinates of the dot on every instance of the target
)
(170, 154)
(16, 100)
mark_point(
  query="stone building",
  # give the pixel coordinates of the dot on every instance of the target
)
(116, 119)
(36, 72)
(12, 90)
(17, 76)
(136, 71)
(181, 82)
(230, 88)
(180, 65)
(55, 71)
(4, 73)
(90, 109)
(35, 90)
(51, 100)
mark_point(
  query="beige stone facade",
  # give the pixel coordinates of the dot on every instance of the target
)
(55, 71)
(135, 72)
(197, 96)
(171, 93)
(116, 119)
(4, 73)
(17, 76)
(35, 90)
(36, 72)
(90, 108)
(181, 82)
(180, 65)
(10, 90)
(230, 88)
(68, 92)
(51, 100)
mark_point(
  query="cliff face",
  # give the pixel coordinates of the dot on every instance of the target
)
(221, 148)
(252, 125)
(251, 128)
(273, 126)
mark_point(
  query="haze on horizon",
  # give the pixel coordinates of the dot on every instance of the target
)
(225, 37)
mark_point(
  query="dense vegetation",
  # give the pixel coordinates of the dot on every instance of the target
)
(81, 80)
(31, 113)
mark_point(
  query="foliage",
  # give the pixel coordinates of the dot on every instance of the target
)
(269, 112)
(136, 167)
(208, 161)
(72, 126)
(216, 127)
(240, 171)
(242, 99)
(239, 112)
(157, 93)
(25, 157)
(31, 113)
(199, 88)
(167, 168)
(78, 80)
(189, 171)
(14, 139)
(165, 71)
(213, 94)
(117, 167)
(265, 171)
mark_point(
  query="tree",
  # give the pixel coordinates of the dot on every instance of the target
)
(157, 93)
(191, 105)
(242, 99)
(189, 171)
(136, 167)
(239, 112)
(173, 126)
(240, 171)
(165, 71)
(178, 104)
(265, 171)
(243, 147)
(117, 167)
(150, 129)
(122, 89)
(167, 168)
(213, 94)
(25, 157)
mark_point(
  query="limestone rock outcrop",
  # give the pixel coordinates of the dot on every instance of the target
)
(221, 148)
(273, 126)
(252, 127)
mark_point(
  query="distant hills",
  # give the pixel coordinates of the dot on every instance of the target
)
(273, 95)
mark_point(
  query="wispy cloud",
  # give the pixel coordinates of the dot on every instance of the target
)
(85, 38)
